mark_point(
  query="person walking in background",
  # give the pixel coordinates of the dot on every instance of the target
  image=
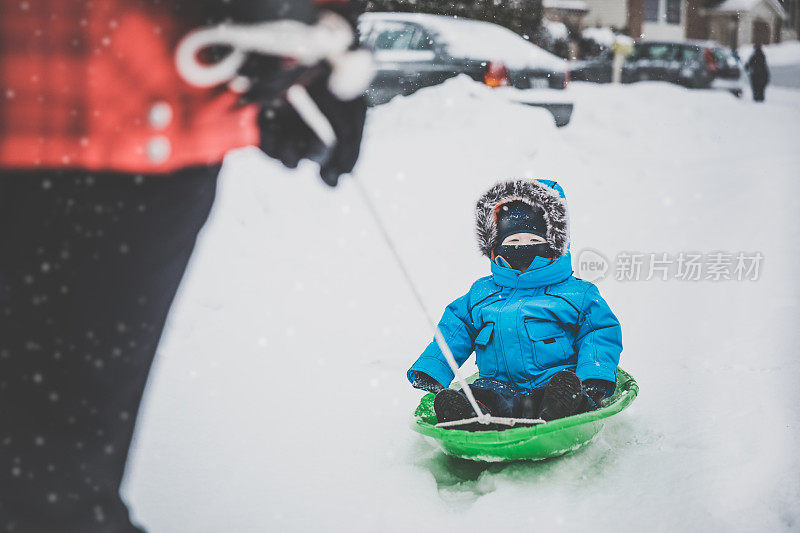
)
(108, 170)
(759, 72)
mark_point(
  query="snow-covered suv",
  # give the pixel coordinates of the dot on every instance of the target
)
(416, 50)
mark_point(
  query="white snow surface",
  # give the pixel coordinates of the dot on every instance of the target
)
(781, 54)
(475, 39)
(279, 400)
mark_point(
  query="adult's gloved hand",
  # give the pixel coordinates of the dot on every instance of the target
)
(595, 390)
(336, 86)
(424, 382)
(283, 56)
(284, 134)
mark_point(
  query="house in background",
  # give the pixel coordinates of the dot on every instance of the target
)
(737, 22)
(657, 19)
(730, 22)
(607, 13)
(791, 24)
(563, 20)
(571, 13)
(641, 19)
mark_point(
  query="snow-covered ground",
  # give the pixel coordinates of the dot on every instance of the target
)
(279, 400)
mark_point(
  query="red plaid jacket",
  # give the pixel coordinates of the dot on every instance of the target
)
(93, 85)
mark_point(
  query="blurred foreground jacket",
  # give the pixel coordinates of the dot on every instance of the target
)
(93, 85)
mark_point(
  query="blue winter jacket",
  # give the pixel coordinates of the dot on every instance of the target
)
(525, 327)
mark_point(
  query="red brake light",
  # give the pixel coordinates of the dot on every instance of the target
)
(566, 78)
(496, 75)
(711, 61)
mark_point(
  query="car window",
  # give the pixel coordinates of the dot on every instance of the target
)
(665, 52)
(725, 57)
(658, 51)
(398, 37)
(689, 53)
(422, 41)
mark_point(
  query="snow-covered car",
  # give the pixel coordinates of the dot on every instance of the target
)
(730, 71)
(700, 65)
(415, 50)
(596, 69)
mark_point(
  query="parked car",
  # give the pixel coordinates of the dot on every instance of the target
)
(597, 69)
(419, 50)
(730, 71)
(699, 65)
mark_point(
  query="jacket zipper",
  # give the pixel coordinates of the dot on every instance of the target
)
(500, 334)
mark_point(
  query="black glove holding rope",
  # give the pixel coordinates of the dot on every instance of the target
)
(285, 136)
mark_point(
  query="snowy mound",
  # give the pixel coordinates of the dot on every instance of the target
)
(460, 102)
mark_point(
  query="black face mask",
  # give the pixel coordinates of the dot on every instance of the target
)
(520, 257)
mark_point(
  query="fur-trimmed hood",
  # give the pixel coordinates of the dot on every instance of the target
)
(545, 194)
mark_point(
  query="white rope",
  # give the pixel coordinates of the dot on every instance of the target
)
(492, 419)
(483, 418)
(330, 40)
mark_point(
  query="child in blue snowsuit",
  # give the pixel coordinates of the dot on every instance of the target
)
(546, 342)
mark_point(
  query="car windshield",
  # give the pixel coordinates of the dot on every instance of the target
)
(400, 37)
(725, 57)
(689, 53)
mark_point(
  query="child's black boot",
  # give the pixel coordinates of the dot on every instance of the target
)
(562, 396)
(450, 405)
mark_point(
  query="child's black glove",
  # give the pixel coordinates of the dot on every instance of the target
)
(424, 382)
(595, 390)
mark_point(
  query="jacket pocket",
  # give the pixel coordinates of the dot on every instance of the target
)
(485, 354)
(548, 341)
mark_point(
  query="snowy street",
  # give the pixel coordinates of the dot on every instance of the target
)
(279, 399)
(786, 76)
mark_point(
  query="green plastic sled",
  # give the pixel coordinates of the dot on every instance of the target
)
(550, 439)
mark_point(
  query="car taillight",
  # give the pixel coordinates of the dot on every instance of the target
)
(566, 78)
(711, 61)
(496, 75)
